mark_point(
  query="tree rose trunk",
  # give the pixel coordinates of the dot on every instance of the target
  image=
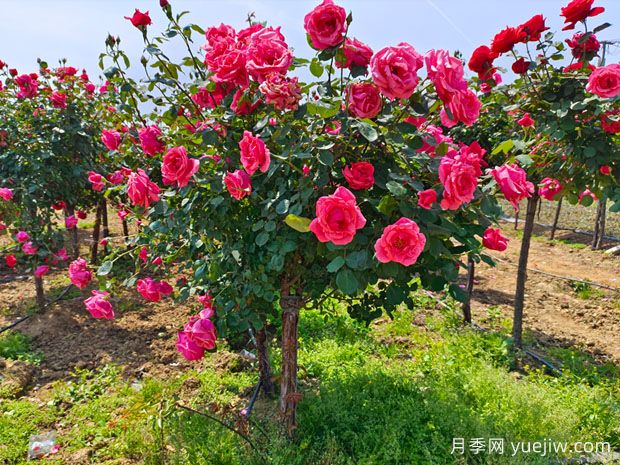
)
(471, 273)
(40, 292)
(554, 226)
(599, 224)
(528, 227)
(73, 234)
(96, 233)
(291, 302)
(264, 366)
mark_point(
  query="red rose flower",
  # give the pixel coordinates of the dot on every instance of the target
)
(579, 10)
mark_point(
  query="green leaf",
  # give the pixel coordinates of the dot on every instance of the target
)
(298, 223)
(323, 109)
(105, 268)
(504, 147)
(366, 130)
(335, 264)
(396, 188)
(262, 239)
(357, 260)
(524, 160)
(326, 158)
(346, 281)
(316, 68)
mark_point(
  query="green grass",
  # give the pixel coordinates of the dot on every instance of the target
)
(17, 346)
(394, 393)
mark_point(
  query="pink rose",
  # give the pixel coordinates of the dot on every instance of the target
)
(282, 92)
(326, 25)
(62, 254)
(337, 217)
(526, 121)
(364, 100)
(446, 72)
(203, 333)
(215, 34)
(254, 154)
(188, 348)
(29, 248)
(141, 190)
(58, 99)
(41, 271)
(6, 194)
(359, 175)
(153, 290)
(465, 107)
(401, 242)
(116, 178)
(150, 140)
(79, 274)
(99, 306)
(230, 67)
(238, 184)
(394, 70)
(71, 222)
(494, 240)
(10, 261)
(96, 181)
(28, 86)
(549, 188)
(587, 193)
(356, 54)
(140, 19)
(333, 128)
(143, 255)
(111, 139)
(513, 183)
(605, 81)
(459, 178)
(427, 198)
(605, 170)
(22, 236)
(266, 57)
(178, 167)
(242, 103)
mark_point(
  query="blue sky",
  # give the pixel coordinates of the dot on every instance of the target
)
(76, 29)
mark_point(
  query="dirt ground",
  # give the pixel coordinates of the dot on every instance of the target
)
(554, 312)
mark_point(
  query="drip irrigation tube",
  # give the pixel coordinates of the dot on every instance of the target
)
(250, 407)
(24, 318)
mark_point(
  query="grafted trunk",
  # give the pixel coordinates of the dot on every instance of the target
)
(73, 234)
(291, 302)
(96, 233)
(40, 292)
(554, 226)
(264, 366)
(599, 224)
(528, 227)
(516, 220)
(471, 273)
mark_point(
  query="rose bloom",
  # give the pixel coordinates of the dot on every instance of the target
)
(29, 248)
(215, 34)
(521, 66)
(28, 86)
(605, 170)
(589, 47)
(427, 198)
(58, 99)
(242, 103)
(579, 66)
(549, 188)
(153, 290)
(22, 236)
(505, 40)
(6, 194)
(116, 178)
(333, 128)
(71, 222)
(254, 154)
(238, 184)
(359, 175)
(203, 333)
(578, 10)
(79, 274)
(99, 306)
(481, 62)
(41, 271)
(188, 348)
(10, 261)
(111, 139)
(205, 99)
(326, 25)
(96, 181)
(266, 57)
(141, 190)
(494, 240)
(465, 107)
(140, 19)
(394, 70)
(282, 92)
(587, 193)
(150, 140)
(401, 242)
(459, 178)
(230, 68)
(446, 72)
(364, 100)
(532, 29)
(337, 217)
(610, 121)
(356, 54)
(512, 181)
(177, 167)
(605, 81)
(526, 121)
